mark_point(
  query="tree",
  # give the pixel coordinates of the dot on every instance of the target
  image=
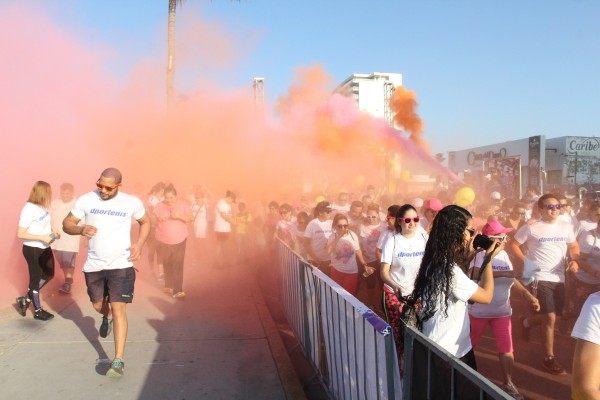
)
(440, 157)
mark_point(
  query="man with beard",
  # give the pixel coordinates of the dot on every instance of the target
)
(108, 269)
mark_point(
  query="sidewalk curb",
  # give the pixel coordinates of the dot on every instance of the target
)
(289, 379)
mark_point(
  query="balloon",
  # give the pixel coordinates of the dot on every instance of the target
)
(464, 196)
(404, 175)
(360, 180)
(319, 199)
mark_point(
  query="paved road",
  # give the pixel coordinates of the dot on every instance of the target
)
(529, 377)
(218, 343)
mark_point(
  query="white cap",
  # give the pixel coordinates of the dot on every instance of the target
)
(417, 202)
(495, 196)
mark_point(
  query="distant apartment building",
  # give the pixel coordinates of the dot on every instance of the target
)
(372, 92)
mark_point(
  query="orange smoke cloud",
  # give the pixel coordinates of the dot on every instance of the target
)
(404, 104)
(65, 119)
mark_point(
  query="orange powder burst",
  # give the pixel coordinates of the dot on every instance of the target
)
(404, 104)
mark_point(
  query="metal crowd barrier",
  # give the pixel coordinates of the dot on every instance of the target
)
(354, 350)
(430, 372)
(351, 347)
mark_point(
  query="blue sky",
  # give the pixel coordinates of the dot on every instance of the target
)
(483, 71)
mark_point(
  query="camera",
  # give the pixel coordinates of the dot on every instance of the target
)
(482, 242)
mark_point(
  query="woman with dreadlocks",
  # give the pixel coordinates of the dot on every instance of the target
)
(443, 286)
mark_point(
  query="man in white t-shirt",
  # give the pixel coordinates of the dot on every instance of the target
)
(316, 236)
(546, 242)
(224, 221)
(355, 216)
(66, 247)
(343, 204)
(108, 269)
(586, 360)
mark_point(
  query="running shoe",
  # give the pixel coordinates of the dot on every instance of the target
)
(179, 295)
(22, 305)
(552, 366)
(117, 368)
(512, 391)
(105, 327)
(525, 332)
(42, 315)
(65, 288)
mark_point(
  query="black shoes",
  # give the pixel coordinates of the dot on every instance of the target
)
(22, 305)
(42, 315)
(552, 366)
(105, 327)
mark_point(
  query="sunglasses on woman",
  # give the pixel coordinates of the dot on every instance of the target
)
(407, 220)
(553, 206)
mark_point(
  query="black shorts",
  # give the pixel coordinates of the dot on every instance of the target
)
(114, 284)
(551, 296)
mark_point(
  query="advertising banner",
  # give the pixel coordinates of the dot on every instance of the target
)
(506, 172)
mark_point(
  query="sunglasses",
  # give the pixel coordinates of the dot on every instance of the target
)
(342, 226)
(553, 206)
(407, 220)
(107, 188)
(471, 231)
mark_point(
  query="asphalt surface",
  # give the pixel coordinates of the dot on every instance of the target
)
(218, 343)
(529, 377)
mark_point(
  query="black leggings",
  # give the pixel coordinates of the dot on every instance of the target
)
(41, 266)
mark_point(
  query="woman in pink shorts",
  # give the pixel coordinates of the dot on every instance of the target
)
(498, 313)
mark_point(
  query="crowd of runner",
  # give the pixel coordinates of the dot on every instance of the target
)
(456, 261)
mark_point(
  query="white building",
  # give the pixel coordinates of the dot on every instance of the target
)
(372, 92)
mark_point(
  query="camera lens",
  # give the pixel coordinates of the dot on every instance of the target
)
(482, 242)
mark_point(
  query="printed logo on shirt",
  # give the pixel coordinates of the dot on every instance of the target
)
(413, 254)
(553, 239)
(108, 212)
(44, 216)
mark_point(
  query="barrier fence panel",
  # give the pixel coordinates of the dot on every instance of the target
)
(359, 346)
(354, 350)
(430, 372)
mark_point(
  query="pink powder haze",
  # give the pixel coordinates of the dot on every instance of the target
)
(65, 118)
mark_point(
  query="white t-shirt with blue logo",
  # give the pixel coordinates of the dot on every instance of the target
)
(109, 249)
(500, 305)
(404, 255)
(37, 221)
(547, 248)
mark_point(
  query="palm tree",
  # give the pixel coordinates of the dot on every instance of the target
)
(171, 51)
